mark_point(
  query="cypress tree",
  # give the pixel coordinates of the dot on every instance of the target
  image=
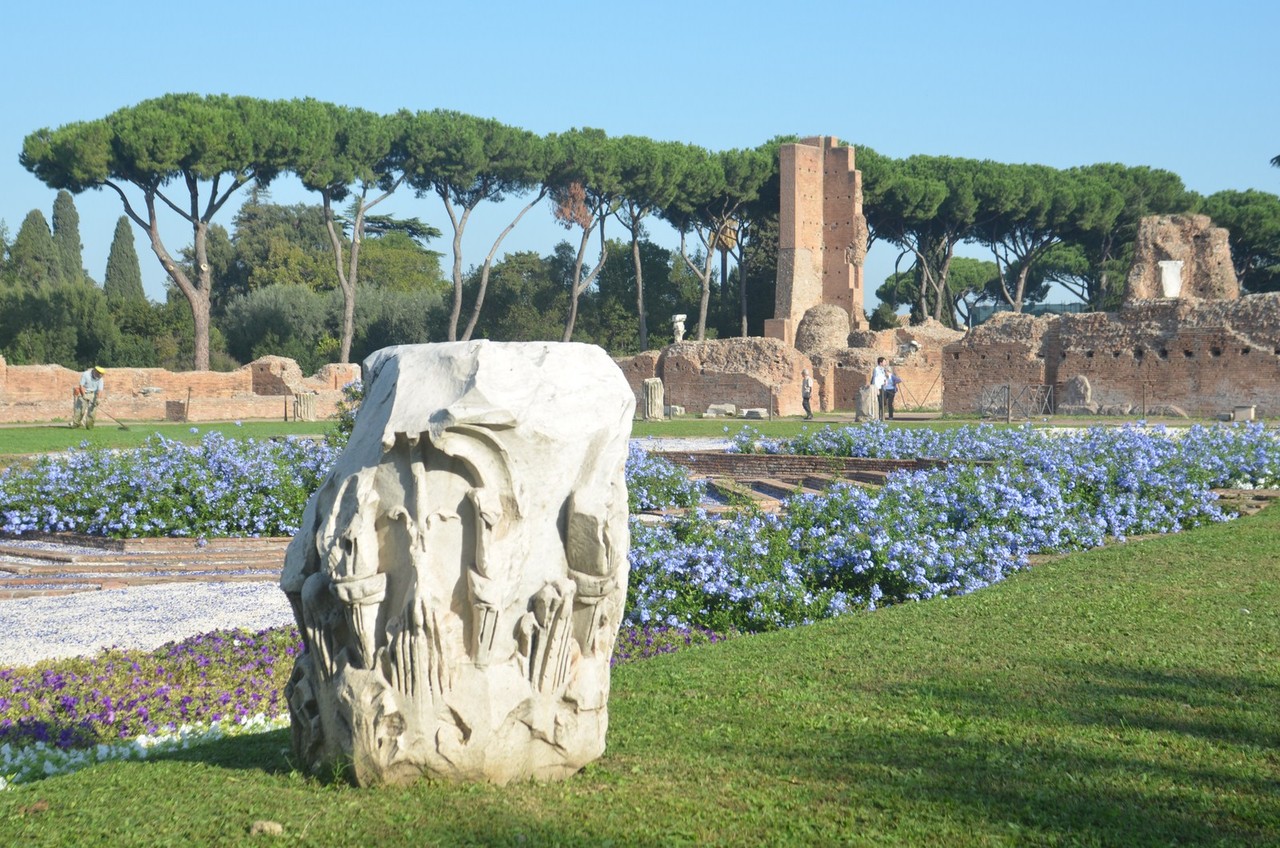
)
(34, 262)
(66, 235)
(123, 281)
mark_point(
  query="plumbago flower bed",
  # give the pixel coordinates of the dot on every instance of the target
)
(1011, 493)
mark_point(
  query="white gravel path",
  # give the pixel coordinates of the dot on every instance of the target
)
(146, 617)
(140, 617)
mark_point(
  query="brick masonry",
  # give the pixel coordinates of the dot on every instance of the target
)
(822, 234)
(1203, 357)
(265, 388)
(747, 465)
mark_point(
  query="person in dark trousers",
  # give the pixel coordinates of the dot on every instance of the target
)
(879, 377)
(889, 393)
(806, 392)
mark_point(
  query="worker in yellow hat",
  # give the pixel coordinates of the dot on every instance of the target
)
(87, 397)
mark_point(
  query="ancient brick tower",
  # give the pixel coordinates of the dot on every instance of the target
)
(822, 239)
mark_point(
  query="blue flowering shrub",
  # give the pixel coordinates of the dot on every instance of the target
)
(1008, 493)
(218, 487)
(345, 420)
(655, 483)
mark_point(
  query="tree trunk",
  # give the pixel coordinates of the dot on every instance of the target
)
(345, 281)
(200, 319)
(484, 272)
(458, 226)
(644, 321)
(574, 290)
(742, 285)
(579, 285)
(197, 296)
(704, 277)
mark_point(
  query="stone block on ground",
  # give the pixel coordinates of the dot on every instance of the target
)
(1077, 409)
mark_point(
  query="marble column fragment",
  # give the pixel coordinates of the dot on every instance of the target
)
(460, 575)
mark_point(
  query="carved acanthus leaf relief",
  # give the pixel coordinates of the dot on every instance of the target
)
(451, 629)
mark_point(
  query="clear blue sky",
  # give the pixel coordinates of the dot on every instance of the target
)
(1191, 87)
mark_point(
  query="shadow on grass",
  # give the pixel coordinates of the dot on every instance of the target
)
(265, 752)
(1109, 756)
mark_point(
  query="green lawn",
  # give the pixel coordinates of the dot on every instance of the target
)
(21, 441)
(25, 440)
(1125, 697)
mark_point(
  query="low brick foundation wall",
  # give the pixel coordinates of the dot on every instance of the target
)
(749, 465)
(264, 389)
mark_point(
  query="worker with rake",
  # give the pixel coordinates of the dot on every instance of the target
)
(87, 396)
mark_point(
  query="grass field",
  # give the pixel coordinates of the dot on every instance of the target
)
(1125, 696)
(27, 440)
(24, 441)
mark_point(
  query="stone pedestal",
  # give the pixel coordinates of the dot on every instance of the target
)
(653, 400)
(459, 577)
(1170, 277)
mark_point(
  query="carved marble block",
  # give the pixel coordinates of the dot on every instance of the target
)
(460, 575)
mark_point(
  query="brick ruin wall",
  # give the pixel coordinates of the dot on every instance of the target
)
(263, 389)
(1201, 357)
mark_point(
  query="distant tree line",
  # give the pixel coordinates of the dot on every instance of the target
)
(1074, 227)
(331, 280)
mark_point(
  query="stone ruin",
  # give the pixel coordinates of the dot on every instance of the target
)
(822, 234)
(460, 575)
(1184, 342)
(765, 373)
(819, 322)
(1183, 257)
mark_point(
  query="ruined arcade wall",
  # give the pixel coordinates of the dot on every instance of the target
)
(263, 389)
(1200, 357)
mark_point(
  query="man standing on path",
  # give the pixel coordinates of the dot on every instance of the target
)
(87, 395)
(806, 391)
(879, 379)
(890, 393)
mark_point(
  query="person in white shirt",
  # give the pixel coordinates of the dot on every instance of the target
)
(879, 379)
(87, 396)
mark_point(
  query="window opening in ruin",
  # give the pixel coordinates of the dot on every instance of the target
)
(1215, 351)
(1138, 353)
(1164, 353)
(1244, 351)
(1188, 354)
(1115, 354)
(1088, 354)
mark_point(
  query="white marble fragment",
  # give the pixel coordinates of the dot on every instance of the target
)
(460, 575)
